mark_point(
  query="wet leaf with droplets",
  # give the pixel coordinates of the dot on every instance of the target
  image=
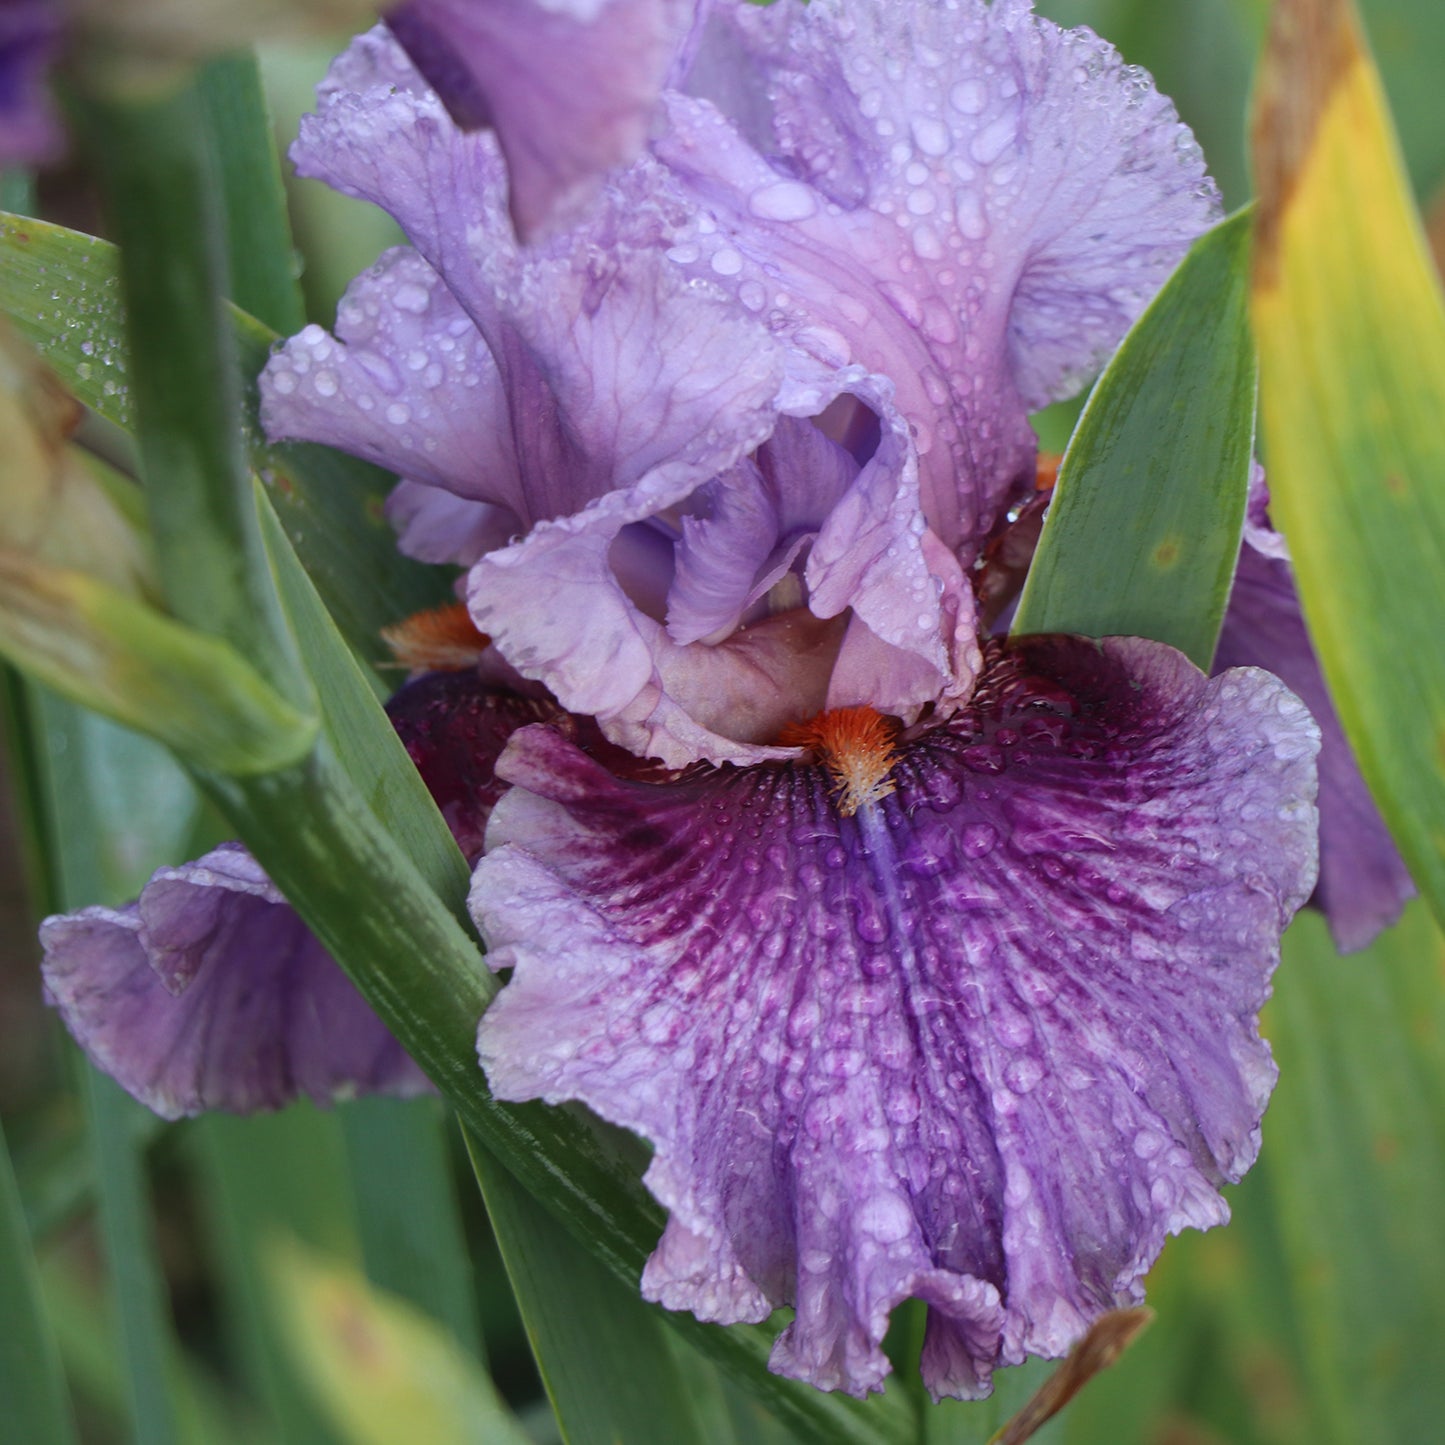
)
(1143, 532)
(61, 291)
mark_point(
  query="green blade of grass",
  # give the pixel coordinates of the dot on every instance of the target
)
(37, 1404)
(1355, 1157)
(408, 1213)
(602, 1352)
(394, 1166)
(261, 1178)
(156, 167)
(262, 259)
(79, 867)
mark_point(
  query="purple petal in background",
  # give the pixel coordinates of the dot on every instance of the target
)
(210, 992)
(1363, 881)
(986, 1042)
(29, 41)
(568, 85)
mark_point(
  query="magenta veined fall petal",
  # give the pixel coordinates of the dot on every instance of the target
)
(987, 1040)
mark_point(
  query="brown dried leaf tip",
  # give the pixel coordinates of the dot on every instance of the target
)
(1312, 45)
(1108, 1337)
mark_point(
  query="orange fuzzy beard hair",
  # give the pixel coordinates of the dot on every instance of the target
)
(857, 746)
(444, 639)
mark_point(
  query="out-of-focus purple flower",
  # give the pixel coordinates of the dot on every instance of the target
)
(568, 85)
(751, 419)
(209, 992)
(29, 40)
(1363, 882)
(986, 1042)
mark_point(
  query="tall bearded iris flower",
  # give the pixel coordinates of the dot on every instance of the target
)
(929, 964)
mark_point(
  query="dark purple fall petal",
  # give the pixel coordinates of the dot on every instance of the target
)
(988, 1042)
(29, 40)
(1363, 882)
(568, 85)
(210, 992)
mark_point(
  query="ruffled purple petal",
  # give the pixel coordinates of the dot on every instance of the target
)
(436, 526)
(647, 360)
(1363, 884)
(628, 389)
(970, 200)
(747, 531)
(210, 993)
(407, 382)
(30, 131)
(568, 85)
(595, 644)
(986, 1042)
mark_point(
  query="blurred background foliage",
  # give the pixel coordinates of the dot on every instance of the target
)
(180, 1266)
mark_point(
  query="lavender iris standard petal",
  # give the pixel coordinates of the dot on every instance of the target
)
(970, 200)
(568, 85)
(905, 269)
(210, 992)
(979, 1027)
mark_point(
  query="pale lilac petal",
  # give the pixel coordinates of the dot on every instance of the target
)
(988, 1041)
(976, 203)
(630, 389)
(407, 382)
(569, 87)
(610, 364)
(557, 608)
(381, 134)
(603, 657)
(749, 529)
(30, 131)
(732, 550)
(1363, 883)
(210, 993)
(436, 526)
